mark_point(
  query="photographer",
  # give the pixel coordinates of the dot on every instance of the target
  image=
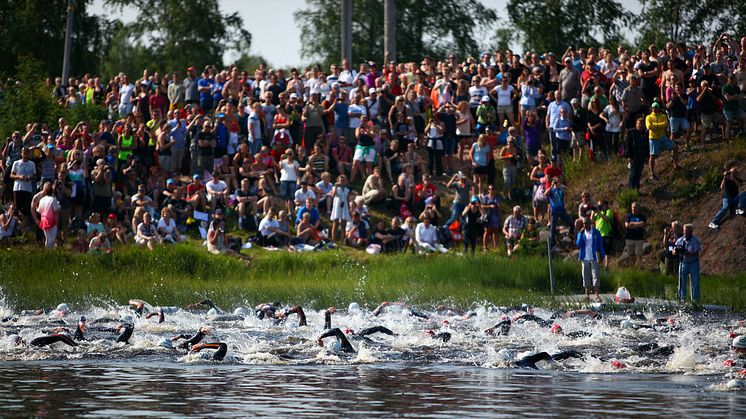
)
(669, 261)
(688, 247)
(733, 202)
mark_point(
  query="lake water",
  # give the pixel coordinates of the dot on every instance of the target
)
(154, 389)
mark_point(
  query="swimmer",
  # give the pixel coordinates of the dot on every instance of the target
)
(739, 350)
(328, 317)
(412, 311)
(503, 327)
(82, 328)
(343, 344)
(653, 349)
(220, 349)
(557, 330)
(125, 329)
(239, 314)
(53, 338)
(442, 336)
(532, 318)
(529, 360)
(190, 341)
(62, 310)
(272, 311)
(577, 313)
(206, 302)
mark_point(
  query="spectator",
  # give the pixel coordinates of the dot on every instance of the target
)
(733, 202)
(340, 206)
(356, 232)
(589, 243)
(426, 237)
(637, 150)
(167, 227)
(657, 123)
(635, 224)
(479, 161)
(556, 196)
(49, 210)
(669, 260)
(688, 247)
(510, 158)
(373, 189)
(514, 229)
(146, 232)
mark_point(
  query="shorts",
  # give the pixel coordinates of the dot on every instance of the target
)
(480, 170)
(165, 163)
(481, 128)
(501, 110)
(563, 146)
(287, 190)
(709, 119)
(365, 154)
(591, 274)
(679, 125)
(633, 247)
(664, 144)
(731, 115)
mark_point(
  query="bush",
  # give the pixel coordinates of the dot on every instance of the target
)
(626, 197)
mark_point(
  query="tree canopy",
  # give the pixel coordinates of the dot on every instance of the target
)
(433, 28)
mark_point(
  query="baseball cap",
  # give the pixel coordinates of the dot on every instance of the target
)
(372, 90)
(196, 176)
(169, 182)
(485, 98)
(655, 105)
(112, 216)
(294, 96)
(474, 199)
(218, 211)
(574, 101)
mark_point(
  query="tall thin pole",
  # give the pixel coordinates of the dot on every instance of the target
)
(347, 30)
(389, 30)
(68, 46)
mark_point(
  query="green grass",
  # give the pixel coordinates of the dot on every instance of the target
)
(182, 274)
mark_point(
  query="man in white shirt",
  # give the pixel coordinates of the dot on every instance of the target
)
(217, 192)
(303, 193)
(126, 91)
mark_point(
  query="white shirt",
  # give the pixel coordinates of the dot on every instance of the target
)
(355, 120)
(125, 93)
(425, 234)
(475, 95)
(215, 188)
(266, 225)
(166, 227)
(503, 95)
(588, 245)
(288, 171)
(300, 195)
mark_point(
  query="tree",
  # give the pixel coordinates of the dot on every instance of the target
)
(175, 34)
(677, 20)
(36, 28)
(554, 25)
(432, 28)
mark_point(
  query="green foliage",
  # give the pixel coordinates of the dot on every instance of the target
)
(433, 28)
(172, 35)
(678, 21)
(554, 25)
(626, 197)
(30, 100)
(36, 28)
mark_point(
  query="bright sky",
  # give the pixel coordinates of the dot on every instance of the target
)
(275, 35)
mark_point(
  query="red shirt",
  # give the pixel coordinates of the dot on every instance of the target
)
(423, 191)
(193, 188)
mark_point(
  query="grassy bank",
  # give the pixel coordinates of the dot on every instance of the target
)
(182, 274)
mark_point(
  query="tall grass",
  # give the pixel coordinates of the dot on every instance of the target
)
(182, 274)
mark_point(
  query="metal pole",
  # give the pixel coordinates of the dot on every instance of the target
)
(68, 38)
(549, 256)
(389, 30)
(347, 30)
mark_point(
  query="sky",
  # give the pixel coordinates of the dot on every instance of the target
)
(278, 39)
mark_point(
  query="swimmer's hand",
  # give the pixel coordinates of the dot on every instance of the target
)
(198, 347)
(205, 329)
(331, 310)
(319, 342)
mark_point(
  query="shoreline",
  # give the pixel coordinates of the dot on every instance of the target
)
(181, 274)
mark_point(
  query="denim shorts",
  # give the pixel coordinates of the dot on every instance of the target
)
(287, 190)
(679, 125)
(663, 143)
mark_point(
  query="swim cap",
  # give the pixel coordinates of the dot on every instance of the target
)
(63, 307)
(166, 343)
(353, 307)
(505, 354)
(16, 339)
(740, 342)
(127, 319)
(556, 329)
(240, 312)
(82, 319)
(212, 312)
(336, 346)
(525, 354)
(626, 324)
(349, 331)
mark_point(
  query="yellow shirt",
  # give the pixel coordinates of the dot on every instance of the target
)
(656, 123)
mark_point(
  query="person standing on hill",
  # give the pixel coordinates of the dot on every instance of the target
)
(657, 124)
(635, 223)
(732, 200)
(688, 248)
(637, 151)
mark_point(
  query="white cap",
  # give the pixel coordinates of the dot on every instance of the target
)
(353, 307)
(63, 307)
(293, 95)
(505, 354)
(740, 342)
(372, 90)
(485, 98)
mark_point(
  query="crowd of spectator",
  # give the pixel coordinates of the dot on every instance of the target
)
(309, 159)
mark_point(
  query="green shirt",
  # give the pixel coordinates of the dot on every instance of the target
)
(604, 227)
(731, 105)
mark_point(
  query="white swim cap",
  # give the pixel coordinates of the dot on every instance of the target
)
(336, 346)
(239, 312)
(626, 324)
(353, 307)
(63, 307)
(740, 342)
(16, 339)
(505, 354)
(166, 343)
(212, 312)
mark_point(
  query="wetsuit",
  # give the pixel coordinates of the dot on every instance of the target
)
(531, 360)
(218, 355)
(50, 339)
(191, 340)
(652, 349)
(375, 329)
(341, 338)
(531, 318)
(327, 320)
(126, 333)
(443, 336)
(503, 328)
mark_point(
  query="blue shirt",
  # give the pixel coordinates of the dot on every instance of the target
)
(313, 217)
(341, 118)
(691, 245)
(204, 96)
(563, 129)
(553, 111)
(557, 199)
(597, 245)
(178, 133)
